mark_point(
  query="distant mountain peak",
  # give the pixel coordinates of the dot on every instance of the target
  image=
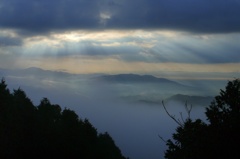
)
(134, 78)
(34, 69)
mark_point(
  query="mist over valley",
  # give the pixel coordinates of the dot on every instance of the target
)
(128, 106)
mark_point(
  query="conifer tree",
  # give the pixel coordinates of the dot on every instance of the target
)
(220, 138)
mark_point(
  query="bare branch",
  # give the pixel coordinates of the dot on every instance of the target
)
(162, 139)
(179, 121)
(188, 109)
(182, 117)
(171, 116)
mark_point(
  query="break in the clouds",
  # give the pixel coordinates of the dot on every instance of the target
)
(135, 46)
(111, 36)
(200, 16)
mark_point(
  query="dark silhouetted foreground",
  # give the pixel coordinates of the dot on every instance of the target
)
(218, 139)
(47, 131)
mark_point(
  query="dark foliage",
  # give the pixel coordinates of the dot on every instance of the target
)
(47, 131)
(220, 138)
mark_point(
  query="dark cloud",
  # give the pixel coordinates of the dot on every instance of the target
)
(195, 16)
(202, 16)
(43, 15)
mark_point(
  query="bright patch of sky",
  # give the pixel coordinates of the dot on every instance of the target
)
(122, 51)
(187, 39)
(110, 36)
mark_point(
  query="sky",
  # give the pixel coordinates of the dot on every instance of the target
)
(176, 39)
(172, 38)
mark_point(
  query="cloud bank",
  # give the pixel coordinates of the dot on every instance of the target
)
(110, 36)
(199, 16)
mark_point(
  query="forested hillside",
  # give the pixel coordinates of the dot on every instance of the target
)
(48, 131)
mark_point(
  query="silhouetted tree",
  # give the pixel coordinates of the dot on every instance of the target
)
(224, 117)
(47, 131)
(6, 129)
(107, 148)
(189, 141)
(219, 138)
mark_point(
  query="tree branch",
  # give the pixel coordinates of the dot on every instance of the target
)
(188, 109)
(162, 139)
(171, 116)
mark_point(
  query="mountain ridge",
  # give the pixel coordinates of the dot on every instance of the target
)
(134, 78)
